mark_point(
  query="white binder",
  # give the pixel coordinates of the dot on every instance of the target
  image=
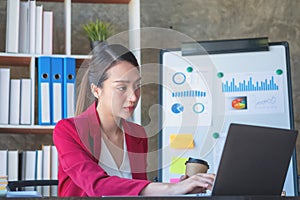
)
(3, 161)
(39, 29)
(47, 32)
(24, 27)
(14, 107)
(25, 115)
(32, 16)
(4, 93)
(13, 165)
(12, 26)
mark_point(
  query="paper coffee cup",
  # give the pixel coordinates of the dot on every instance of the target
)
(194, 166)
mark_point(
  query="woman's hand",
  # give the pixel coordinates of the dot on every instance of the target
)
(195, 184)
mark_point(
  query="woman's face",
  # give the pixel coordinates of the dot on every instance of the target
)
(121, 91)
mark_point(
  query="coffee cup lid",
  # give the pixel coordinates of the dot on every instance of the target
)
(195, 160)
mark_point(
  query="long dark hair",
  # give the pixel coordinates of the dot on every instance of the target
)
(104, 57)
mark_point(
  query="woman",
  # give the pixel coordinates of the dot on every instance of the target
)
(100, 153)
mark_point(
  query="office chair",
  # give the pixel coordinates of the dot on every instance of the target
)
(21, 184)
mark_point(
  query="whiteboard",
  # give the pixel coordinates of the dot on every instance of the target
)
(201, 95)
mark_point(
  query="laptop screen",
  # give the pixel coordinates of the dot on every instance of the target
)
(254, 160)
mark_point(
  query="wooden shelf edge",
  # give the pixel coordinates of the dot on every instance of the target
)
(22, 60)
(102, 1)
(27, 130)
(29, 56)
(92, 1)
(14, 59)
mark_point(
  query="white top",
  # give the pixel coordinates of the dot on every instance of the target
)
(108, 163)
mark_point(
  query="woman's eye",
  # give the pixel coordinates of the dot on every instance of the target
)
(138, 86)
(122, 88)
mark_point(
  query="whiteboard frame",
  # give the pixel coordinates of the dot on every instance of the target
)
(290, 101)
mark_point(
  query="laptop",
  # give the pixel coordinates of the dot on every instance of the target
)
(254, 160)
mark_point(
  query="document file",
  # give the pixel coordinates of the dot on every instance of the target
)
(24, 27)
(46, 168)
(32, 23)
(47, 32)
(69, 87)
(4, 92)
(56, 89)
(39, 29)
(54, 169)
(25, 114)
(13, 165)
(39, 169)
(44, 83)
(3, 161)
(12, 26)
(28, 167)
(14, 107)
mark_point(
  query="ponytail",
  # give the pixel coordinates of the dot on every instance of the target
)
(84, 96)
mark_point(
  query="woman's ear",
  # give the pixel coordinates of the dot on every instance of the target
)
(95, 90)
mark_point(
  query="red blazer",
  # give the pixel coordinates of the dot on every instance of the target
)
(78, 142)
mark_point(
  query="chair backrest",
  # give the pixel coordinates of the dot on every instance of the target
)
(22, 184)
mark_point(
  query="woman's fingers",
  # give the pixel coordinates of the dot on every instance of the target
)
(204, 180)
(197, 183)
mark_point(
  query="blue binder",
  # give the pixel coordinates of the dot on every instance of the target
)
(57, 89)
(69, 87)
(44, 90)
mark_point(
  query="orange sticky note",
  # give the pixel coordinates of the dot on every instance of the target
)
(182, 141)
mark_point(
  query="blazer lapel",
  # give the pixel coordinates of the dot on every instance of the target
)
(88, 128)
(136, 154)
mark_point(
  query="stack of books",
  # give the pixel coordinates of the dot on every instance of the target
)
(3, 185)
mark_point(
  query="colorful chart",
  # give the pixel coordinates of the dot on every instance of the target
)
(239, 103)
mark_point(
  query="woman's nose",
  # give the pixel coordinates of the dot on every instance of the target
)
(134, 95)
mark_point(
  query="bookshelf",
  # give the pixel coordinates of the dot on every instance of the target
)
(15, 59)
(29, 61)
(92, 1)
(20, 129)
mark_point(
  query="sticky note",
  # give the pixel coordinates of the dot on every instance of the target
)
(178, 165)
(182, 141)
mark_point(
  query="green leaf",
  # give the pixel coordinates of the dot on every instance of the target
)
(98, 30)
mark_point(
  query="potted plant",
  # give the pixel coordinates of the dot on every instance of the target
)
(98, 31)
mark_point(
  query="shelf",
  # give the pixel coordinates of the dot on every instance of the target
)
(15, 59)
(92, 1)
(22, 129)
(9, 59)
(102, 1)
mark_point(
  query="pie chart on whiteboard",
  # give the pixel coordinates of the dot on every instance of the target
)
(177, 108)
